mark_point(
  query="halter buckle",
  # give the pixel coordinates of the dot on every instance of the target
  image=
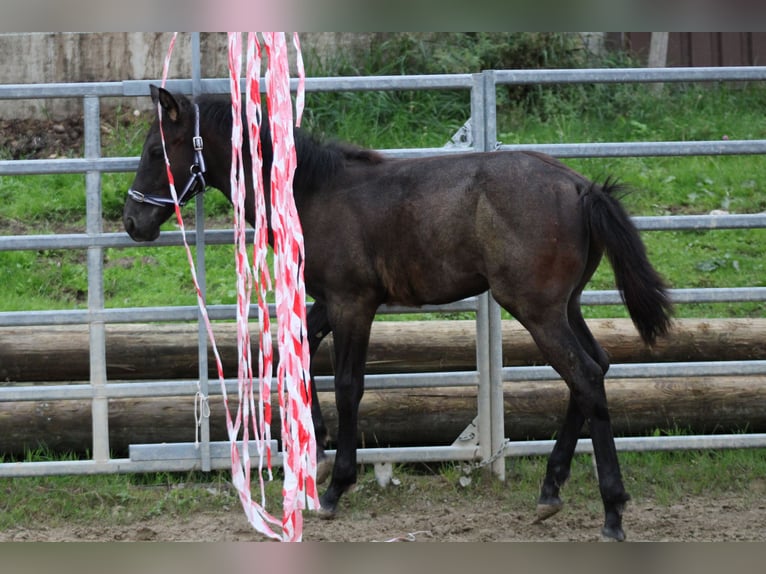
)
(136, 196)
(197, 143)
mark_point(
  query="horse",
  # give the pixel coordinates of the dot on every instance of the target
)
(410, 232)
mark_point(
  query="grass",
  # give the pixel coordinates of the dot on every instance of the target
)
(664, 478)
(110, 499)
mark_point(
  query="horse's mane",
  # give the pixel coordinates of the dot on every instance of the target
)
(318, 160)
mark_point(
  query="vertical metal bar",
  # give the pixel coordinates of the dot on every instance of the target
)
(196, 64)
(495, 334)
(483, 366)
(478, 123)
(482, 312)
(97, 330)
(490, 110)
(201, 276)
(496, 396)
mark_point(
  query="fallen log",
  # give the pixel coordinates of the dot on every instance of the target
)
(403, 417)
(169, 351)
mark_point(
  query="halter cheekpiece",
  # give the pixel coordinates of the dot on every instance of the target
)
(196, 183)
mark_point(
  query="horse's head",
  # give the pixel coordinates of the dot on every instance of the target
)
(149, 203)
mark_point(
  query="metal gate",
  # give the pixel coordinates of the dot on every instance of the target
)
(485, 443)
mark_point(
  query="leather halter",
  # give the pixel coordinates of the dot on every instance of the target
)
(196, 183)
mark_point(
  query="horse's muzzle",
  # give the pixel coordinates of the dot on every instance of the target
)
(136, 233)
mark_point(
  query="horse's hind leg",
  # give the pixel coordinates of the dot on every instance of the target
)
(585, 377)
(560, 462)
(318, 327)
(560, 459)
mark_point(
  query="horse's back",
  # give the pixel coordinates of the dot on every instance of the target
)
(438, 229)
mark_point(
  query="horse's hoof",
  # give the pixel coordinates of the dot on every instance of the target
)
(546, 510)
(327, 510)
(613, 533)
(324, 469)
(326, 513)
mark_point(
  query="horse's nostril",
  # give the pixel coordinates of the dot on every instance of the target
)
(130, 225)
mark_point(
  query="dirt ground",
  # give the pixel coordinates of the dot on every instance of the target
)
(40, 139)
(695, 519)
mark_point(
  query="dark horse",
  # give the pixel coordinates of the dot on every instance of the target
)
(427, 231)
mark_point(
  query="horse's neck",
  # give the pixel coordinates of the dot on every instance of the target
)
(217, 154)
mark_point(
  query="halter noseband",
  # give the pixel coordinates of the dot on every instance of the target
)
(194, 186)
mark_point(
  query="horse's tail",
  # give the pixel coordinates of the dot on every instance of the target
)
(643, 290)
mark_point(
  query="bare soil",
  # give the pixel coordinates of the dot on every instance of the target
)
(40, 139)
(423, 519)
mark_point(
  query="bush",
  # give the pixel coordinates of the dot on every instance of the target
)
(441, 53)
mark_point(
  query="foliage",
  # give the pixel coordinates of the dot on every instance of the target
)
(420, 117)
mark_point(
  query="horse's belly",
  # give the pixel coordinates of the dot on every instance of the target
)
(416, 285)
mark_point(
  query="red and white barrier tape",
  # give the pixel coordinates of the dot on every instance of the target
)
(293, 380)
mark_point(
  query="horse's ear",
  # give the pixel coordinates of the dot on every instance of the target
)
(166, 100)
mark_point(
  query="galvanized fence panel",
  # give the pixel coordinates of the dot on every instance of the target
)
(98, 390)
(490, 374)
(664, 223)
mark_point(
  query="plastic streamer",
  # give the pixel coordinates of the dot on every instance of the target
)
(260, 250)
(293, 380)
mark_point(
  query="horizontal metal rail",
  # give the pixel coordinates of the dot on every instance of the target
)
(67, 165)
(125, 465)
(642, 444)
(144, 389)
(380, 455)
(224, 236)
(644, 149)
(173, 388)
(228, 312)
(631, 75)
(648, 370)
(399, 82)
(565, 150)
(133, 88)
(186, 313)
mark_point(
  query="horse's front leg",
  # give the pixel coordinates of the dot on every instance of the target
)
(351, 333)
(318, 327)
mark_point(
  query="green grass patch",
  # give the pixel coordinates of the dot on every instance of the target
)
(665, 478)
(110, 499)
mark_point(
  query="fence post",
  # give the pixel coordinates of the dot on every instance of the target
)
(489, 343)
(482, 312)
(495, 334)
(97, 329)
(204, 421)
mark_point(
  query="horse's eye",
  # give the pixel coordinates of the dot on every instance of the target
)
(156, 152)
